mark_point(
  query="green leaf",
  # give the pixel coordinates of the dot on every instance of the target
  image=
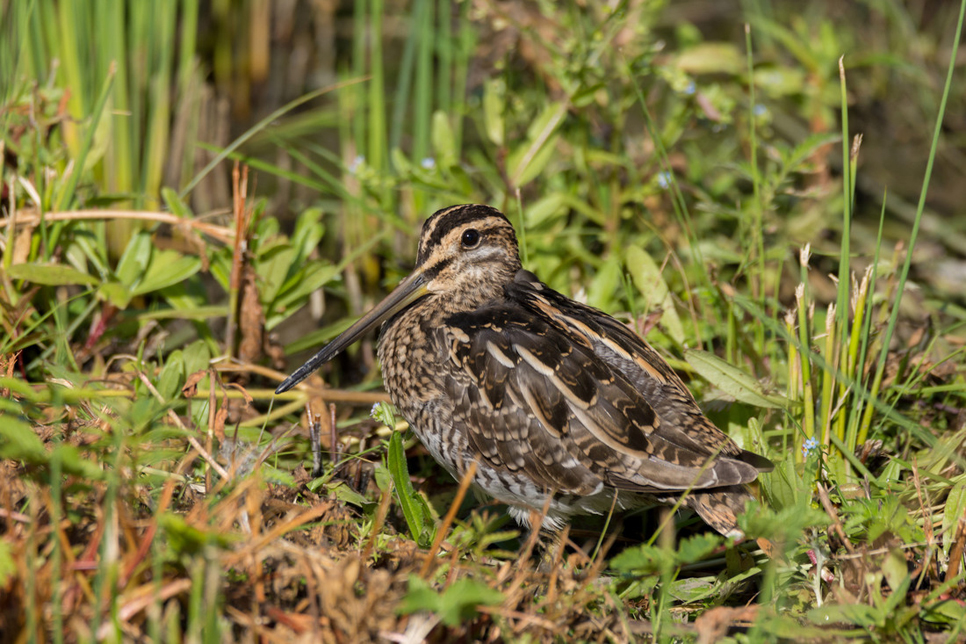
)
(698, 547)
(344, 492)
(494, 99)
(529, 159)
(550, 207)
(73, 462)
(460, 600)
(415, 508)
(167, 268)
(135, 260)
(8, 566)
(444, 143)
(419, 597)
(18, 442)
(275, 263)
(711, 58)
(953, 513)
(116, 293)
(296, 290)
(308, 232)
(642, 560)
(732, 380)
(456, 604)
(647, 277)
(176, 204)
(385, 413)
(605, 285)
(50, 275)
(189, 539)
(858, 614)
(172, 376)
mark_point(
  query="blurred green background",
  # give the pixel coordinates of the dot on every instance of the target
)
(691, 167)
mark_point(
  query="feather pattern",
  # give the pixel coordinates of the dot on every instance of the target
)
(547, 396)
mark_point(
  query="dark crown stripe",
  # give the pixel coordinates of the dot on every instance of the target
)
(444, 221)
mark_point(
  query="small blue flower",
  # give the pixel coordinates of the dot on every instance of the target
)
(664, 179)
(760, 110)
(375, 408)
(428, 163)
(358, 161)
(690, 88)
(809, 446)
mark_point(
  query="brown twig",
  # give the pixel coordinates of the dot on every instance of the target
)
(956, 551)
(221, 233)
(379, 520)
(834, 516)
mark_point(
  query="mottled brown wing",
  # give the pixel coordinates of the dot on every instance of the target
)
(534, 395)
(626, 352)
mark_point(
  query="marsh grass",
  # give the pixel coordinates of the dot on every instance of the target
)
(153, 488)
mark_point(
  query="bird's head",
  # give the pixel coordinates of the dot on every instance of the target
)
(467, 254)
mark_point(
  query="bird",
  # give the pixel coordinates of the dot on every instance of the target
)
(562, 408)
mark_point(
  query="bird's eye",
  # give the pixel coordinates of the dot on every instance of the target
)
(471, 238)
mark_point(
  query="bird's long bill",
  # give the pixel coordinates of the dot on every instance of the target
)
(409, 290)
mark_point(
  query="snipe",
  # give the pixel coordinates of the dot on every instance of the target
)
(547, 395)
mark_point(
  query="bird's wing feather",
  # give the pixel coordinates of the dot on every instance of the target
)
(533, 393)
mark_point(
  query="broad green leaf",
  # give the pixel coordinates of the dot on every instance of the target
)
(731, 380)
(444, 143)
(642, 560)
(297, 289)
(167, 268)
(648, 279)
(530, 160)
(18, 442)
(711, 58)
(401, 162)
(117, 294)
(196, 357)
(135, 260)
(308, 233)
(344, 492)
(73, 462)
(531, 157)
(894, 567)
(50, 275)
(419, 597)
(547, 208)
(606, 285)
(414, 506)
(455, 605)
(459, 601)
(8, 566)
(172, 376)
(953, 513)
(274, 266)
(176, 204)
(697, 547)
(494, 99)
(188, 538)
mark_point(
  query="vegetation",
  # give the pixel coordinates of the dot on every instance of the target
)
(738, 186)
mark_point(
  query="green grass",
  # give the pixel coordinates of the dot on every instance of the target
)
(681, 175)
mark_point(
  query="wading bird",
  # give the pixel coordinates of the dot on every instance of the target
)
(547, 396)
